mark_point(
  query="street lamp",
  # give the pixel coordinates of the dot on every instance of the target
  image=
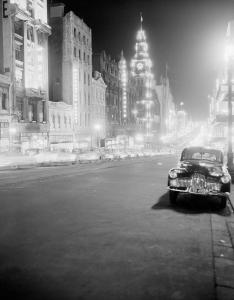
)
(230, 58)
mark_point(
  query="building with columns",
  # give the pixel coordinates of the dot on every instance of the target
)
(71, 69)
(24, 62)
(61, 126)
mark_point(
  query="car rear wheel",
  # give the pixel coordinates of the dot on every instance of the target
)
(223, 202)
(173, 196)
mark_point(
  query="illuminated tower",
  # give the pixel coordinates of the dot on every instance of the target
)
(141, 69)
(123, 73)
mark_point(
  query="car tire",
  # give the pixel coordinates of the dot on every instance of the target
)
(223, 202)
(173, 196)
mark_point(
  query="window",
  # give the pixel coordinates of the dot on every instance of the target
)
(65, 121)
(74, 32)
(88, 99)
(4, 101)
(84, 78)
(53, 120)
(59, 121)
(74, 51)
(44, 111)
(30, 8)
(19, 27)
(88, 60)
(79, 54)
(84, 39)
(84, 57)
(20, 107)
(19, 52)
(34, 111)
(30, 33)
(88, 79)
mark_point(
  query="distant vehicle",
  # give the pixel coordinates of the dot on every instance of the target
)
(200, 171)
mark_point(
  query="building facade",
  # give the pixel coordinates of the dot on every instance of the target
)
(71, 69)
(98, 109)
(61, 126)
(109, 69)
(24, 60)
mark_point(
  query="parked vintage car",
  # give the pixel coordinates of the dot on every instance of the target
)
(200, 171)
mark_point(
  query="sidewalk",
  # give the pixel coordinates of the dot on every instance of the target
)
(223, 252)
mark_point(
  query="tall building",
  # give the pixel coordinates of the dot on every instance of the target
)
(71, 69)
(141, 67)
(98, 109)
(109, 69)
(168, 114)
(24, 62)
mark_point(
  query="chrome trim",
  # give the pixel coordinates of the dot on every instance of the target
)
(208, 193)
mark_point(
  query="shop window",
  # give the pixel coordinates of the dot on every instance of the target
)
(40, 38)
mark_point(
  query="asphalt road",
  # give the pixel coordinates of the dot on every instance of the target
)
(103, 231)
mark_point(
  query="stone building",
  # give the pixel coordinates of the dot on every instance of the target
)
(61, 126)
(71, 69)
(109, 69)
(98, 107)
(24, 60)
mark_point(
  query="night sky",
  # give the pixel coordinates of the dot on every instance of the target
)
(187, 35)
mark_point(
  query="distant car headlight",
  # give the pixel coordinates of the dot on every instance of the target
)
(173, 174)
(225, 178)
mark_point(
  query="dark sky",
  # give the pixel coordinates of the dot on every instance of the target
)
(188, 35)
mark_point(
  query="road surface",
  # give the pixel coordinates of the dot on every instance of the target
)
(103, 231)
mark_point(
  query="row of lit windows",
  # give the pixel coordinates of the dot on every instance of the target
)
(86, 58)
(77, 35)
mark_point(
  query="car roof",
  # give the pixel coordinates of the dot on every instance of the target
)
(201, 149)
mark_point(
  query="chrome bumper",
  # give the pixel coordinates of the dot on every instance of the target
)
(197, 185)
(203, 193)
